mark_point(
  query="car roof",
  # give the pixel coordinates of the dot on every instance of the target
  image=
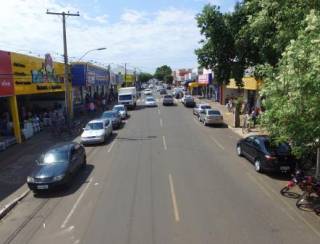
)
(109, 111)
(66, 146)
(204, 104)
(149, 97)
(96, 121)
(118, 105)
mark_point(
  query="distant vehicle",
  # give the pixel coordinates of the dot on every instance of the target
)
(211, 117)
(163, 91)
(168, 100)
(114, 117)
(57, 166)
(96, 131)
(128, 96)
(266, 154)
(150, 102)
(177, 90)
(188, 101)
(147, 92)
(200, 107)
(122, 110)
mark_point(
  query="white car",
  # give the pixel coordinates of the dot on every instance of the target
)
(150, 102)
(122, 110)
(96, 131)
(147, 92)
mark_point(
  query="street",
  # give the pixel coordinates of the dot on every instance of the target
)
(164, 178)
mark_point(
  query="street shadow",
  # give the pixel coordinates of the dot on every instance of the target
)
(223, 126)
(80, 178)
(136, 138)
(279, 176)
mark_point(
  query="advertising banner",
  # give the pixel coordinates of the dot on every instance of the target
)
(6, 81)
(33, 75)
(97, 76)
(205, 79)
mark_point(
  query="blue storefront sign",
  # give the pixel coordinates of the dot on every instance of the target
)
(89, 75)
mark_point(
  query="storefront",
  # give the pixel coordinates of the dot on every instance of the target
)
(38, 91)
(7, 131)
(89, 82)
(249, 91)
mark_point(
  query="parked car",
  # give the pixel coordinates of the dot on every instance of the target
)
(266, 154)
(114, 117)
(122, 110)
(211, 117)
(188, 101)
(57, 166)
(147, 92)
(96, 131)
(150, 102)
(167, 100)
(200, 107)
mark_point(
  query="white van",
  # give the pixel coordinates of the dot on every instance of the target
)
(128, 96)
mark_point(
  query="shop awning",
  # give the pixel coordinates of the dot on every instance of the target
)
(249, 83)
(196, 84)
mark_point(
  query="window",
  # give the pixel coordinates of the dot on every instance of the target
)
(54, 156)
(94, 126)
(213, 112)
(125, 97)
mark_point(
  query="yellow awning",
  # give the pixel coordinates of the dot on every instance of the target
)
(249, 83)
(195, 84)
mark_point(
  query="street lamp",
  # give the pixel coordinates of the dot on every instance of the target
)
(96, 49)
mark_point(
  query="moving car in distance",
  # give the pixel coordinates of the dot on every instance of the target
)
(188, 101)
(265, 154)
(200, 107)
(57, 166)
(128, 96)
(122, 110)
(167, 100)
(113, 116)
(147, 92)
(211, 117)
(150, 102)
(163, 91)
(96, 131)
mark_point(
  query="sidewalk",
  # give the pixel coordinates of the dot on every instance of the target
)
(228, 118)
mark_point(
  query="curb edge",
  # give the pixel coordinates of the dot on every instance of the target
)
(8, 207)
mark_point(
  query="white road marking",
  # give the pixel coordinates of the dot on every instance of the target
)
(44, 225)
(164, 143)
(65, 222)
(217, 143)
(174, 200)
(110, 148)
(158, 111)
(161, 123)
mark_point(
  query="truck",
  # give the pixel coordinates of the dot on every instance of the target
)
(128, 96)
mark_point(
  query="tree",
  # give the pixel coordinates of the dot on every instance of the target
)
(164, 73)
(145, 77)
(292, 90)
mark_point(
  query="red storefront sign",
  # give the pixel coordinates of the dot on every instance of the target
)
(6, 79)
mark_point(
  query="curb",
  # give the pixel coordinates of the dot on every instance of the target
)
(8, 207)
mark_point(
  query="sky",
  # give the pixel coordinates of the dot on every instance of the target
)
(143, 33)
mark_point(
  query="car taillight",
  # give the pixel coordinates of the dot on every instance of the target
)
(268, 157)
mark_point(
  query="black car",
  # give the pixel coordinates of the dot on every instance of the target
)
(57, 166)
(163, 91)
(265, 154)
(167, 100)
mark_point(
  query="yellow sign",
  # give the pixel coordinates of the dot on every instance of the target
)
(249, 83)
(33, 75)
(129, 78)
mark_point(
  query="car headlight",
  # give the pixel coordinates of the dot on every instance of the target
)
(58, 177)
(30, 179)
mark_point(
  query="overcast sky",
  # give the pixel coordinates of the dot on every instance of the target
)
(144, 33)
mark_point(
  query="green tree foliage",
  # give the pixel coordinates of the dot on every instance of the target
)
(164, 73)
(145, 77)
(292, 89)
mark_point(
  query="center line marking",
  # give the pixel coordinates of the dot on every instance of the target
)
(164, 143)
(161, 123)
(174, 200)
(217, 143)
(110, 148)
(158, 111)
(65, 222)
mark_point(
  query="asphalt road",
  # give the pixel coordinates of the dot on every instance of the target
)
(164, 178)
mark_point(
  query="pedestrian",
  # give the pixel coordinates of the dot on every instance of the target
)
(92, 107)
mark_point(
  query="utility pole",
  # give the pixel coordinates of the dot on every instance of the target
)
(68, 102)
(125, 74)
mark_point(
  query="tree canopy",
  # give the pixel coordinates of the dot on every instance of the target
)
(164, 73)
(145, 77)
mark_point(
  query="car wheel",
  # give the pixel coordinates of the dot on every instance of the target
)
(257, 165)
(239, 150)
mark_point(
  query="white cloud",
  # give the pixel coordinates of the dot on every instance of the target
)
(142, 39)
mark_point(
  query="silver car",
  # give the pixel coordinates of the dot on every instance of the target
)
(200, 107)
(122, 110)
(114, 117)
(96, 131)
(211, 117)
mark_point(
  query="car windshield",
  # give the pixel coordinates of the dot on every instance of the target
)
(167, 96)
(109, 115)
(94, 126)
(273, 147)
(125, 97)
(205, 107)
(119, 108)
(150, 99)
(54, 156)
(213, 112)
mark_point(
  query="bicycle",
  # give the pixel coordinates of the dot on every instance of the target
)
(310, 193)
